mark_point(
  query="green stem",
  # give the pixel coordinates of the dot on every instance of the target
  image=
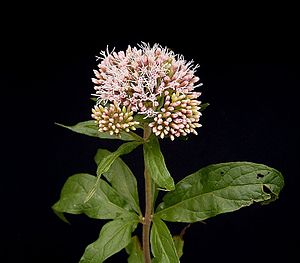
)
(148, 209)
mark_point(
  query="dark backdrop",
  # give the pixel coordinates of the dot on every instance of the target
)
(253, 116)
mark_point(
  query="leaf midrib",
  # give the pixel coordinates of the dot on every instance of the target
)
(160, 242)
(101, 197)
(131, 198)
(116, 233)
(212, 192)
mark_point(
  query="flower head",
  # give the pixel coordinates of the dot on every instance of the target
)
(113, 119)
(150, 81)
(178, 116)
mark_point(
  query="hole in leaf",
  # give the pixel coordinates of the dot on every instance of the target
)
(259, 175)
(266, 189)
(222, 173)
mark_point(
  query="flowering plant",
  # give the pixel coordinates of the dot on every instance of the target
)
(151, 89)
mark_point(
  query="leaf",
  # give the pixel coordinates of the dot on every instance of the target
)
(105, 204)
(155, 164)
(134, 250)
(162, 244)
(106, 162)
(121, 179)
(178, 242)
(204, 106)
(142, 120)
(114, 236)
(220, 188)
(90, 128)
(154, 192)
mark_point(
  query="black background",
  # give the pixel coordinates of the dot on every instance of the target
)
(45, 78)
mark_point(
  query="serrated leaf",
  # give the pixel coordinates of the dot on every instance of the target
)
(179, 243)
(162, 244)
(90, 128)
(220, 188)
(107, 161)
(134, 250)
(114, 236)
(121, 178)
(105, 204)
(155, 164)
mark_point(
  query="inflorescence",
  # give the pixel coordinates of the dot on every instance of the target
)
(150, 81)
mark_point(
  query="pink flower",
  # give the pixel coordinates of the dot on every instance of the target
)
(153, 82)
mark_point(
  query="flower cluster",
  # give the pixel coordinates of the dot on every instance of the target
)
(151, 81)
(113, 119)
(178, 117)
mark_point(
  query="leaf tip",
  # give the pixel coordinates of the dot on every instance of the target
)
(204, 106)
(58, 124)
(61, 125)
(60, 214)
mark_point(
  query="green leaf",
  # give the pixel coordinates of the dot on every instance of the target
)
(162, 244)
(204, 106)
(179, 243)
(154, 192)
(142, 120)
(106, 162)
(90, 128)
(105, 204)
(155, 164)
(114, 236)
(122, 179)
(134, 250)
(220, 188)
